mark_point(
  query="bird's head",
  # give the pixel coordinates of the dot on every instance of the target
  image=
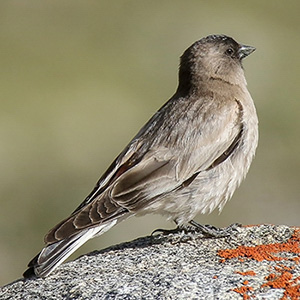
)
(214, 57)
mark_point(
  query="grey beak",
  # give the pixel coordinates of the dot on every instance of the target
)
(245, 51)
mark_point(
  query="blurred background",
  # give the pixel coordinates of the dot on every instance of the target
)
(79, 78)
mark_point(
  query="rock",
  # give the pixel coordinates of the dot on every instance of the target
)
(258, 262)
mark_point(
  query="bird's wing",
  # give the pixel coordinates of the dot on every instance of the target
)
(142, 174)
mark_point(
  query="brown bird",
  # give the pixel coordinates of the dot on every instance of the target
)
(189, 157)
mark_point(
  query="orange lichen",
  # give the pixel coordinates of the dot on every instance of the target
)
(247, 273)
(265, 252)
(243, 290)
(282, 278)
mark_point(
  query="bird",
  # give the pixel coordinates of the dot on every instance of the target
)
(188, 159)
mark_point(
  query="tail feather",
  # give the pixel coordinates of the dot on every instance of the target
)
(54, 254)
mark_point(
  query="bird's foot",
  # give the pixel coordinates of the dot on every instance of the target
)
(212, 231)
(188, 233)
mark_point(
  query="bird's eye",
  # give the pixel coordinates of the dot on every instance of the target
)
(229, 51)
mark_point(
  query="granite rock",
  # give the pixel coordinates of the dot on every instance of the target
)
(255, 261)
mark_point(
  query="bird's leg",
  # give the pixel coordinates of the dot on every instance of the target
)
(212, 231)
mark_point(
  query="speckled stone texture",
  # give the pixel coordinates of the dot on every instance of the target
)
(178, 266)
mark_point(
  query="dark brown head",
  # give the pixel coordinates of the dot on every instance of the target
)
(215, 56)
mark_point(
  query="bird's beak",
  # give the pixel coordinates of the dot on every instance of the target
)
(245, 51)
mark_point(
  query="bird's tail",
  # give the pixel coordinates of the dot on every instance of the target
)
(54, 254)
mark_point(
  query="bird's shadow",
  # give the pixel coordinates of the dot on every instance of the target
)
(141, 242)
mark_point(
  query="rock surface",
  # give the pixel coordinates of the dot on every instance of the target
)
(258, 262)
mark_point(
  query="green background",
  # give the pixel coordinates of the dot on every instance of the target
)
(79, 78)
